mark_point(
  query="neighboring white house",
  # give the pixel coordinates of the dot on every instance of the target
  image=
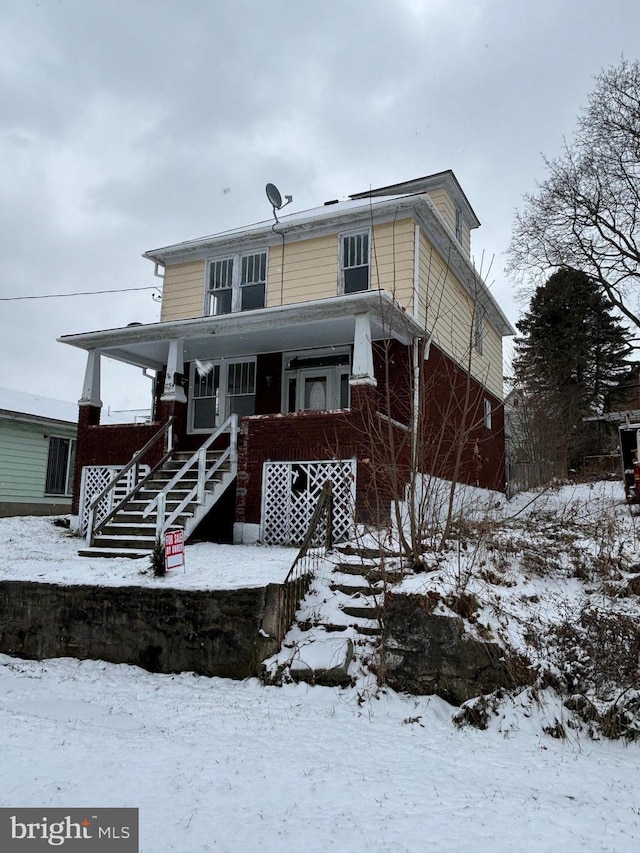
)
(37, 452)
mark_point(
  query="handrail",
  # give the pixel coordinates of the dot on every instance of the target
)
(297, 582)
(199, 457)
(197, 489)
(134, 459)
(134, 491)
(130, 464)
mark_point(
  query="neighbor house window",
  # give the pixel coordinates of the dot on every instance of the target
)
(316, 380)
(354, 262)
(62, 453)
(487, 413)
(478, 330)
(221, 389)
(237, 283)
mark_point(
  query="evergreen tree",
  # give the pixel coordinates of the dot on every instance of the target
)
(570, 352)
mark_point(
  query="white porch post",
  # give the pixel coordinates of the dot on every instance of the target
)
(91, 387)
(175, 365)
(362, 369)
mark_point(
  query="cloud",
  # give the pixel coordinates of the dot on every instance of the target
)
(131, 124)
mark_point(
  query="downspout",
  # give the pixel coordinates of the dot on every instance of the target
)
(415, 407)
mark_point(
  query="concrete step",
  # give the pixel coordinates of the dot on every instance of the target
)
(123, 528)
(129, 543)
(136, 554)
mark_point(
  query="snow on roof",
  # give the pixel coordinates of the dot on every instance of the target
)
(300, 217)
(22, 403)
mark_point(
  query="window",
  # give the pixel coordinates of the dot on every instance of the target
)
(478, 329)
(487, 413)
(237, 283)
(241, 387)
(354, 262)
(316, 380)
(253, 281)
(458, 225)
(228, 387)
(62, 452)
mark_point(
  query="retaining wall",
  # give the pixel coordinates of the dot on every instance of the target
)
(211, 632)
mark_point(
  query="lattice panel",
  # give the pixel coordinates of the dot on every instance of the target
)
(290, 493)
(94, 479)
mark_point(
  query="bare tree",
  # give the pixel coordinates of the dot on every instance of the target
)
(586, 214)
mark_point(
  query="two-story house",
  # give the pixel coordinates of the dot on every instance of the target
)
(333, 343)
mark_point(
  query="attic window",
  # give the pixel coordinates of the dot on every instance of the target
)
(458, 225)
(354, 262)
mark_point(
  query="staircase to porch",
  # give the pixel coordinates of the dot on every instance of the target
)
(178, 492)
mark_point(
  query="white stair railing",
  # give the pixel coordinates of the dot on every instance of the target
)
(205, 472)
(133, 463)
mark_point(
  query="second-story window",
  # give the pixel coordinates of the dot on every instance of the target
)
(354, 262)
(237, 283)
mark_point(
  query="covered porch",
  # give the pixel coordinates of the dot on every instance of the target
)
(308, 366)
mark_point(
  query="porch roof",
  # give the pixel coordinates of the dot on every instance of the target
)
(319, 323)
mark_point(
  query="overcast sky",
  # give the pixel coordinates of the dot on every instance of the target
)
(126, 125)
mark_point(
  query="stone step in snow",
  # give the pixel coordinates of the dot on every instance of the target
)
(372, 572)
(348, 589)
(361, 611)
(365, 552)
(322, 660)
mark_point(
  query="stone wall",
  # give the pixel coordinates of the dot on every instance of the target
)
(425, 653)
(211, 632)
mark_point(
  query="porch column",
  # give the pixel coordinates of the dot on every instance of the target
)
(173, 390)
(362, 368)
(91, 387)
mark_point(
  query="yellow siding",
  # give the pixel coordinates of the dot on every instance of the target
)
(311, 266)
(392, 254)
(446, 308)
(310, 271)
(445, 207)
(183, 291)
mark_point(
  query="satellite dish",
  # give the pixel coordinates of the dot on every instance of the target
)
(273, 194)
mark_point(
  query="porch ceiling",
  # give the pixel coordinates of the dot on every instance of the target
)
(320, 323)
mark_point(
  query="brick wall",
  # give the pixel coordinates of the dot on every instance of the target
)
(112, 444)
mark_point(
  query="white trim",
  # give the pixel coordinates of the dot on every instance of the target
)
(223, 396)
(236, 286)
(333, 373)
(91, 386)
(345, 235)
(245, 534)
(362, 371)
(488, 409)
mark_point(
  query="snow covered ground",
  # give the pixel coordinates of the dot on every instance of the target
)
(233, 766)
(35, 549)
(219, 765)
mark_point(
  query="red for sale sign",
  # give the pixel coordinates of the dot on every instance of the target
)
(173, 549)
